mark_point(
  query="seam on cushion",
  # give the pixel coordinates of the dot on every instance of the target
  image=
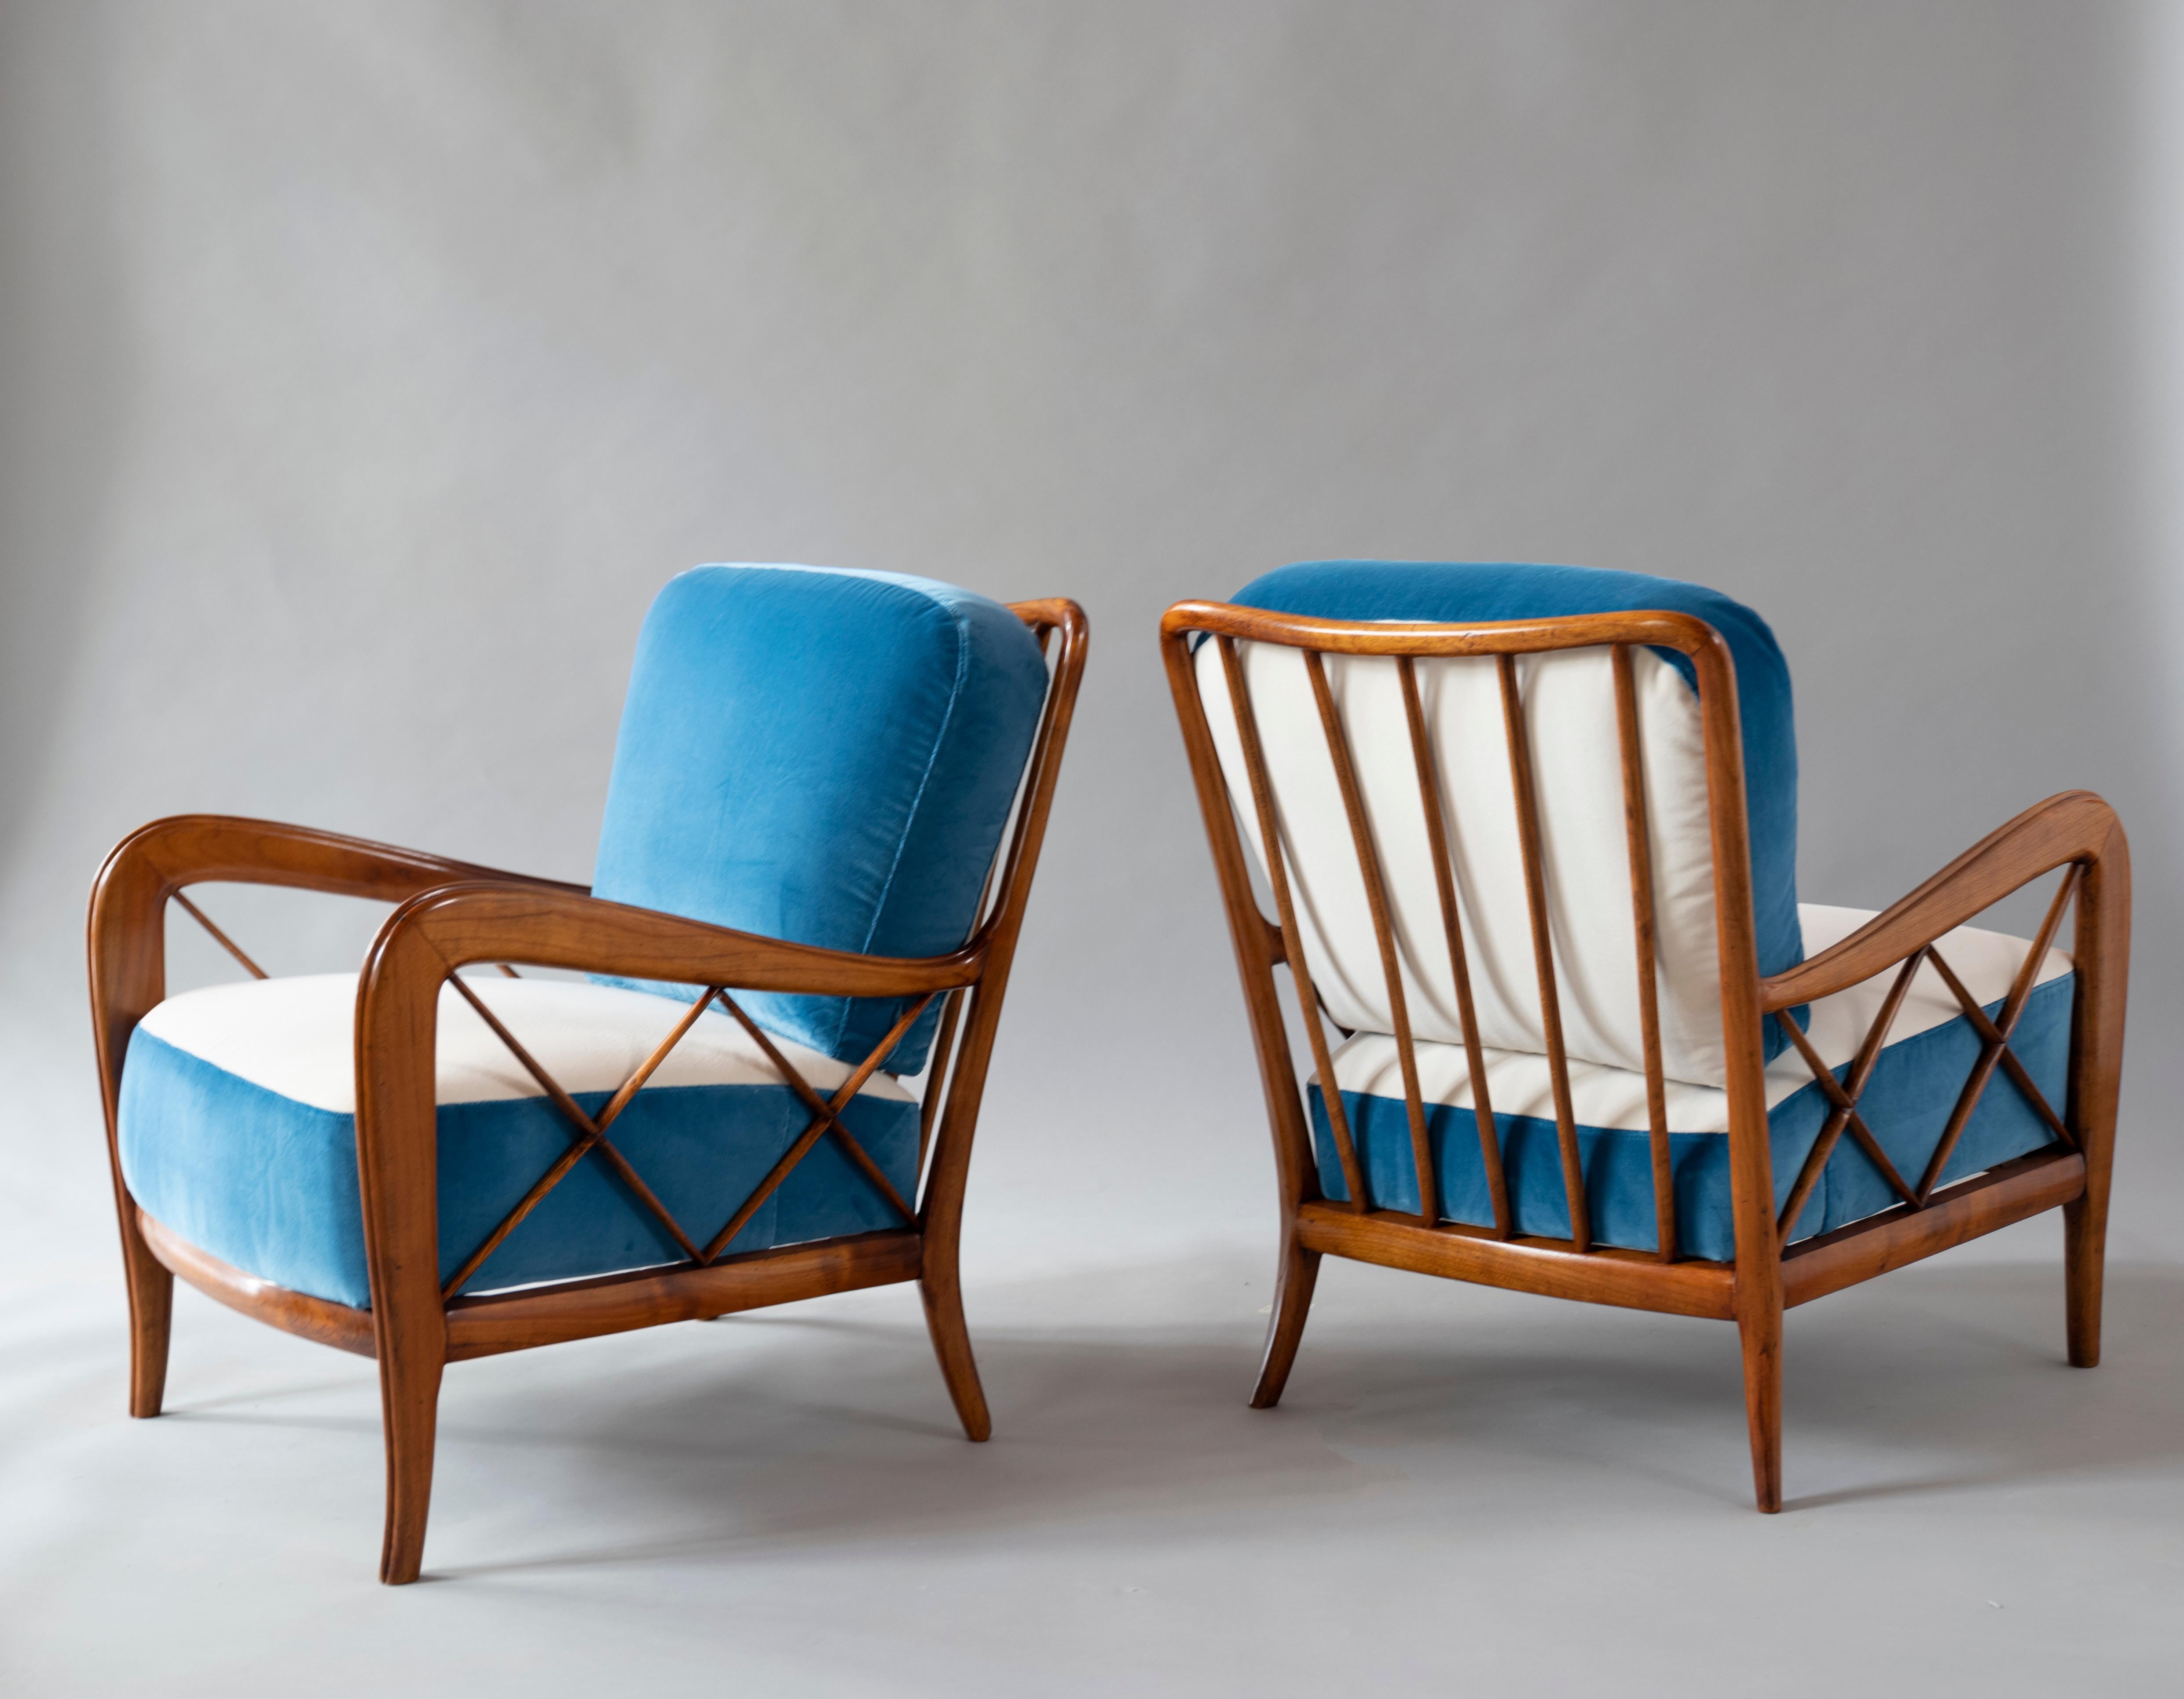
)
(1810, 1087)
(924, 782)
(228, 1073)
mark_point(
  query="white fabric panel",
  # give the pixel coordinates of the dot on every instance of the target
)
(1518, 1083)
(1569, 700)
(296, 1037)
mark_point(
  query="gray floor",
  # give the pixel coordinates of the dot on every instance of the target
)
(1462, 1486)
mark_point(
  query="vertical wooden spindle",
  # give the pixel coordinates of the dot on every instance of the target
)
(1535, 897)
(1641, 920)
(1384, 934)
(1429, 800)
(1262, 802)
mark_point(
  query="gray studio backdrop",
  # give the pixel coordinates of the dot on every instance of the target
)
(368, 367)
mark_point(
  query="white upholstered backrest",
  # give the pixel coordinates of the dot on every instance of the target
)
(1568, 709)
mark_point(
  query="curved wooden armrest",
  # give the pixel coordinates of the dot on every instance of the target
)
(2071, 826)
(128, 900)
(452, 926)
(199, 848)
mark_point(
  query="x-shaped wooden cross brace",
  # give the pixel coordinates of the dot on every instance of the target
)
(590, 1132)
(1994, 1040)
(1994, 1050)
(1845, 1101)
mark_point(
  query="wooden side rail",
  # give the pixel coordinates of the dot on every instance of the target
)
(1556, 1268)
(2010, 1192)
(494, 1322)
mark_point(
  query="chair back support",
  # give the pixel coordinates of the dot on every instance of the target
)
(1499, 782)
(825, 757)
(1470, 706)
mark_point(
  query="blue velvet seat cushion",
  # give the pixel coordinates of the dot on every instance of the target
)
(266, 1180)
(827, 757)
(1907, 1103)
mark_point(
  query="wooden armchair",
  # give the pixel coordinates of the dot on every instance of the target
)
(421, 1167)
(1536, 872)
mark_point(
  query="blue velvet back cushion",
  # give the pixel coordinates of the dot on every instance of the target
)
(827, 757)
(1471, 591)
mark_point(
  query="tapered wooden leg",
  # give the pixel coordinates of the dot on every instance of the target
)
(2102, 947)
(409, 1403)
(943, 1294)
(151, 1311)
(1293, 1281)
(1760, 1328)
(2085, 1253)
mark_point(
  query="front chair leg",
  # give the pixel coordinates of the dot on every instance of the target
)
(943, 1293)
(1760, 1329)
(151, 1311)
(1293, 1287)
(2084, 1241)
(410, 1402)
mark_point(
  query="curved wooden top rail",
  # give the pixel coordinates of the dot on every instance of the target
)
(2071, 825)
(1054, 613)
(1657, 628)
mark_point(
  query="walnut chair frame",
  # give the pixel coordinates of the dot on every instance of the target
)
(2075, 831)
(453, 915)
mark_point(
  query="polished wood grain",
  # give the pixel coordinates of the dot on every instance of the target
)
(1599, 1274)
(1991, 1050)
(1260, 945)
(1843, 1097)
(1293, 950)
(829, 1114)
(1294, 1277)
(940, 1206)
(2072, 826)
(126, 939)
(1534, 856)
(2102, 947)
(1422, 639)
(489, 1324)
(339, 1325)
(2005, 1193)
(2075, 830)
(453, 915)
(936, 1075)
(1638, 847)
(590, 1131)
(2036, 1098)
(1847, 1103)
(1383, 937)
(220, 937)
(1434, 809)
